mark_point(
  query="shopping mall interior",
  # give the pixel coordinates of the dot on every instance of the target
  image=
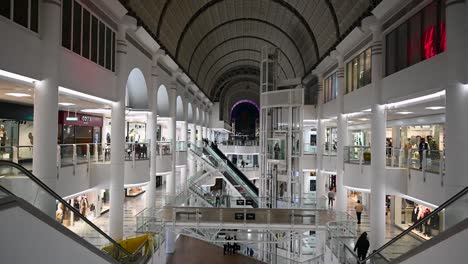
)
(233, 131)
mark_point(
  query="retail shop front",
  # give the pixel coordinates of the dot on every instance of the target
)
(91, 204)
(77, 128)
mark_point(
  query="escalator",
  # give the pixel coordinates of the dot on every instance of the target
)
(238, 179)
(453, 216)
(18, 182)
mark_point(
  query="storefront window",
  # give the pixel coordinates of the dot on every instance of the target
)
(419, 38)
(408, 213)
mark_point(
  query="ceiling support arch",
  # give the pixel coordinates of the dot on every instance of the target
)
(280, 2)
(223, 89)
(240, 37)
(163, 12)
(230, 63)
(335, 18)
(241, 20)
(239, 50)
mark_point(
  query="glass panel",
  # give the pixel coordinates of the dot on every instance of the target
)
(108, 48)
(355, 74)
(361, 69)
(86, 33)
(429, 33)
(402, 38)
(102, 42)
(113, 51)
(34, 15)
(94, 39)
(391, 53)
(349, 77)
(66, 23)
(5, 8)
(368, 69)
(20, 12)
(414, 41)
(77, 28)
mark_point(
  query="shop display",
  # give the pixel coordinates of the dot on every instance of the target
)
(412, 212)
(136, 132)
(133, 192)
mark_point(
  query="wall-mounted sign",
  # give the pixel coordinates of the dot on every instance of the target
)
(248, 202)
(71, 118)
(239, 216)
(250, 216)
(240, 202)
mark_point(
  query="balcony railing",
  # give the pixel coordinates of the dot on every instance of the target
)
(432, 161)
(309, 149)
(238, 142)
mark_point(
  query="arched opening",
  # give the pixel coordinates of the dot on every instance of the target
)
(179, 109)
(190, 114)
(163, 102)
(137, 92)
(245, 115)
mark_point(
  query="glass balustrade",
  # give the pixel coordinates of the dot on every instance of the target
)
(357, 155)
(310, 149)
(18, 181)
(181, 146)
(163, 148)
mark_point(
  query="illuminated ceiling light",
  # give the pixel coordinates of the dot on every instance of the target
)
(363, 119)
(96, 111)
(20, 95)
(420, 99)
(367, 110)
(67, 91)
(435, 107)
(17, 77)
(404, 113)
(66, 104)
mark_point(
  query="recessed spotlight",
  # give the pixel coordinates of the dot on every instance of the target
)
(18, 94)
(435, 107)
(363, 119)
(404, 113)
(66, 104)
(367, 110)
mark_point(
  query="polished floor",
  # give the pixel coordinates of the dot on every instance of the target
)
(395, 250)
(194, 251)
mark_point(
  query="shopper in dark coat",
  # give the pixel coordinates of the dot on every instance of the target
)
(362, 246)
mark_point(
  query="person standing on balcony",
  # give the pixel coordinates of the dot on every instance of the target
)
(359, 208)
(423, 147)
(331, 197)
(362, 246)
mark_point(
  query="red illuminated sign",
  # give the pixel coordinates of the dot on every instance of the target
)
(429, 43)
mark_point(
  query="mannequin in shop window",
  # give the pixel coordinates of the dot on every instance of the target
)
(276, 150)
(84, 206)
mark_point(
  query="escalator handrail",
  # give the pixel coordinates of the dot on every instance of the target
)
(65, 203)
(418, 223)
(235, 169)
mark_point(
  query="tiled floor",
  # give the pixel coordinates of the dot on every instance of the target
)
(391, 231)
(194, 251)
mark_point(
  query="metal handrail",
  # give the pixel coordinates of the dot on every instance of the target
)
(65, 203)
(420, 222)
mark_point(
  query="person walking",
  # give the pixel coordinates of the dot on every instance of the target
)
(359, 208)
(362, 246)
(331, 197)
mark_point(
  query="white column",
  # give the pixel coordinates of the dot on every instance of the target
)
(396, 137)
(46, 103)
(320, 182)
(342, 129)
(456, 163)
(152, 129)
(171, 178)
(378, 127)
(118, 137)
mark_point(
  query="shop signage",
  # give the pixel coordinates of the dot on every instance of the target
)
(71, 118)
(239, 216)
(240, 202)
(250, 216)
(80, 119)
(248, 202)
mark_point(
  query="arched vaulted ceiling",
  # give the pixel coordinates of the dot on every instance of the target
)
(213, 39)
